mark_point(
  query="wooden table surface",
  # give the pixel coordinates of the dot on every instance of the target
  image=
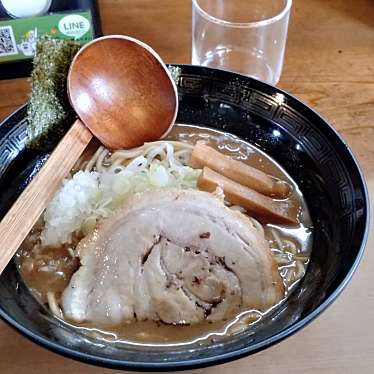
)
(330, 65)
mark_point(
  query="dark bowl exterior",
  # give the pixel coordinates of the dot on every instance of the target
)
(308, 148)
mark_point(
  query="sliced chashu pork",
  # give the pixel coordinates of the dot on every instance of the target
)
(175, 256)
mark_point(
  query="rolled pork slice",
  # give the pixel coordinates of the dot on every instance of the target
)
(174, 256)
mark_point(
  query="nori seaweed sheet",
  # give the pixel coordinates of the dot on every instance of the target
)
(175, 72)
(49, 112)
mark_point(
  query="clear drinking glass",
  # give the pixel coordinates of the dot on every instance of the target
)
(245, 36)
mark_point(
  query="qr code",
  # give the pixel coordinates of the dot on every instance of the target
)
(8, 44)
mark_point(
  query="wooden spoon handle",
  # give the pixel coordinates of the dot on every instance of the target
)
(24, 213)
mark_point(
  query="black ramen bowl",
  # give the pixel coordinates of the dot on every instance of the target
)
(307, 147)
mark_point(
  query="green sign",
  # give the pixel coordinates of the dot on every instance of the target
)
(18, 36)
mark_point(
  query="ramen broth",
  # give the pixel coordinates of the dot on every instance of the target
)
(296, 241)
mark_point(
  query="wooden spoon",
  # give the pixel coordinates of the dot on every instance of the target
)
(124, 94)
